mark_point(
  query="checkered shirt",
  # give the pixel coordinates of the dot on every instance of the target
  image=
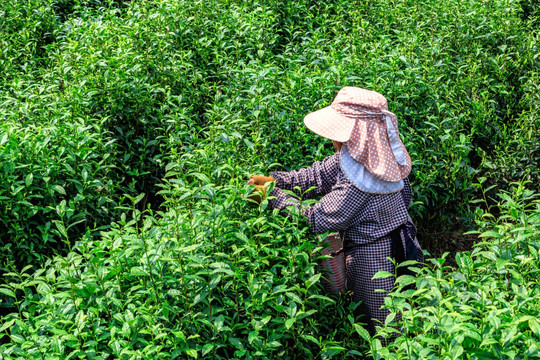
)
(360, 217)
(364, 222)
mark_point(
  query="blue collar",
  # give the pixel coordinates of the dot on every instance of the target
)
(362, 178)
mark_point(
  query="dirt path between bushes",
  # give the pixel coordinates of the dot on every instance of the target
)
(437, 243)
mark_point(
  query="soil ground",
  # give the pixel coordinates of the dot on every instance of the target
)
(437, 243)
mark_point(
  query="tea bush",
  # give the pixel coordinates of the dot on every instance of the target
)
(68, 104)
(486, 308)
(217, 281)
(56, 184)
(129, 129)
(461, 79)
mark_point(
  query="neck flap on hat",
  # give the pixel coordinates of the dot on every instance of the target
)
(375, 143)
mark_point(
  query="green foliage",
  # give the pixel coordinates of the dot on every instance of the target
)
(155, 78)
(128, 130)
(193, 283)
(56, 183)
(486, 308)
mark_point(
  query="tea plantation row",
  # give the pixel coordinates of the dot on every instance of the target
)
(97, 96)
(487, 308)
(219, 281)
(129, 129)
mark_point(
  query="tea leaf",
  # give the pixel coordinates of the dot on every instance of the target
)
(60, 189)
(382, 275)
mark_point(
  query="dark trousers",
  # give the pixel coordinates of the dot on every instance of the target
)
(364, 261)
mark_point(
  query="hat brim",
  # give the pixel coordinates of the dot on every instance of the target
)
(327, 123)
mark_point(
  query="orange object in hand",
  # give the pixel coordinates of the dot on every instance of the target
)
(260, 191)
(258, 194)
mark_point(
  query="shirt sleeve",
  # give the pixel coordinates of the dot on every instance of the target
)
(407, 192)
(322, 175)
(335, 211)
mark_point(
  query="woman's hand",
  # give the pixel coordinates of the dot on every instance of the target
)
(260, 190)
(258, 194)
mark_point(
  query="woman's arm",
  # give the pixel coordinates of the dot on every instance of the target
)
(335, 211)
(322, 175)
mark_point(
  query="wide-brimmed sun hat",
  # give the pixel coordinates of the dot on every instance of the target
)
(360, 118)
